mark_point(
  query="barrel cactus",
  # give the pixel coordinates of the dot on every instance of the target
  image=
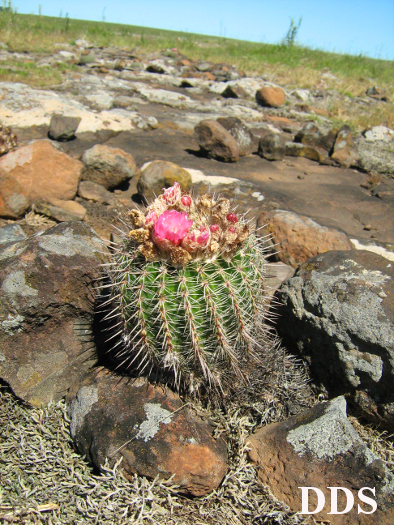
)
(188, 281)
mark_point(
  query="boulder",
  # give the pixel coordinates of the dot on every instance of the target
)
(337, 312)
(14, 198)
(241, 133)
(320, 448)
(108, 166)
(43, 171)
(271, 97)
(297, 237)
(60, 210)
(161, 174)
(272, 147)
(62, 128)
(47, 297)
(150, 428)
(377, 93)
(345, 151)
(216, 142)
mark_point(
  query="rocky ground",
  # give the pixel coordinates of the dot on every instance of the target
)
(112, 136)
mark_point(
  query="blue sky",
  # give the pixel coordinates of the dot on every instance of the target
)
(345, 26)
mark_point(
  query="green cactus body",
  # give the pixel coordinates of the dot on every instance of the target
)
(201, 321)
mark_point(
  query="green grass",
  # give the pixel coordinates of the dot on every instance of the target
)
(290, 66)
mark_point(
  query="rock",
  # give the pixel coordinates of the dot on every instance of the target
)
(379, 133)
(376, 150)
(235, 91)
(310, 135)
(47, 288)
(320, 448)
(377, 93)
(161, 174)
(271, 97)
(204, 66)
(345, 150)
(145, 122)
(8, 140)
(301, 94)
(337, 313)
(107, 412)
(297, 238)
(14, 199)
(216, 142)
(11, 233)
(296, 149)
(95, 192)
(44, 171)
(63, 128)
(108, 166)
(60, 210)
(272, 147)
(241, 133)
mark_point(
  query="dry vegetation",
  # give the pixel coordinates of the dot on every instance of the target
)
(291, 66)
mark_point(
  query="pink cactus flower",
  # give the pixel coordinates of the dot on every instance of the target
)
(173, 226)
(172, 194)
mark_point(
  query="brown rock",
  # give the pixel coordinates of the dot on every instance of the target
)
(47, 294)
(14, 199)
(235, 92)
(159, 436)
(241, 133)
(345, 150)
(216, 142)
(161, 174)
(108, 166)
(209, 76)
(271, 96)
(296, 149)
(95, 192)
(43, 171)
(298, 237)
(61, 210)
(320, 448)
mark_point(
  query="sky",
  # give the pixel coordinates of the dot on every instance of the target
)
(343, 26)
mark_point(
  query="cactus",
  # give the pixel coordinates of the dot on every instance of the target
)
(188, 281)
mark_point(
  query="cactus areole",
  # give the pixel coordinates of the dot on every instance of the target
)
(188, 285)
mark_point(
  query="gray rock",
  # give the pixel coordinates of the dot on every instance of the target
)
(241, 133)
(337, 312)
(11, 233)
(114, 417)
(320, 448)
(108, 166)
(272, 147)
(345, 150)
(47, 296)
(376, 155)
(63, 128)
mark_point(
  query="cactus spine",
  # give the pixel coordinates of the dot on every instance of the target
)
(190, 292)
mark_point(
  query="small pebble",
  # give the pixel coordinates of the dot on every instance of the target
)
(300, 177)
(367, 227)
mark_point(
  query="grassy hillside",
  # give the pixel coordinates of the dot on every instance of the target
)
(291, 66)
